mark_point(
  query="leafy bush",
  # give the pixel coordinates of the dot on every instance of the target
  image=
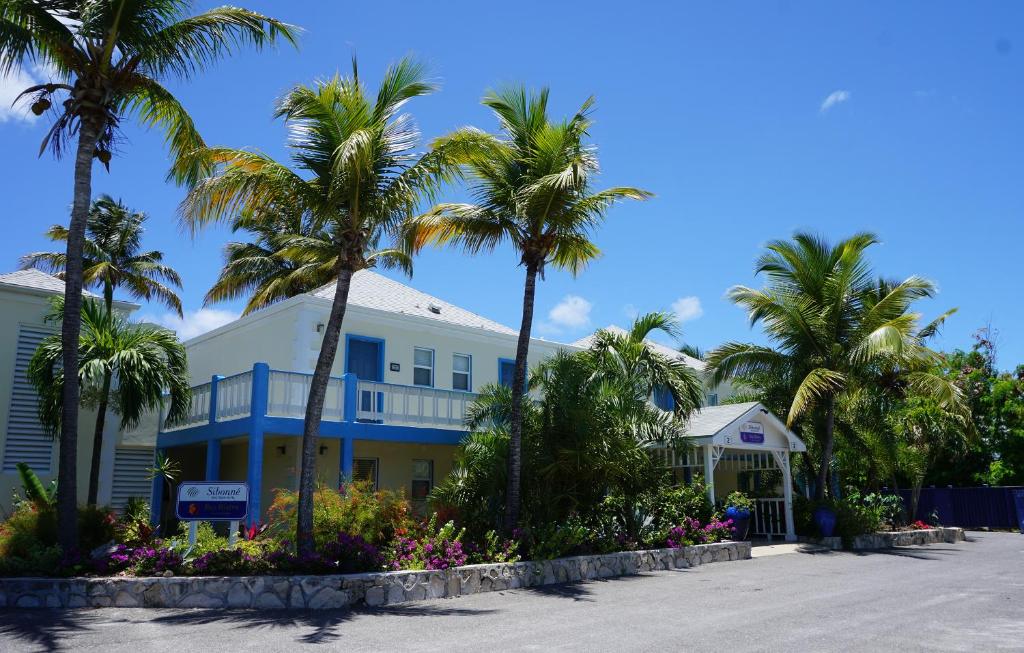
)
(739, 501)
(133, 527)
(356, 509)
(690, 532)
(207, 539)
(434, 548)
(559, 540)
(28, 539)
(246, 559)
(494, 548)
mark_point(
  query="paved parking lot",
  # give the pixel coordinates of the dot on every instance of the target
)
(947, 597)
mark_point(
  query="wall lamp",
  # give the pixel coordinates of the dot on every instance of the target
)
(323, 449)
(282, 449)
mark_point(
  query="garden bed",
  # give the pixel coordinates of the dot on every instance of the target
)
(338, 591)
(888, 540)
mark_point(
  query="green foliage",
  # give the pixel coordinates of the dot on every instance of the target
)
(133, 527)
(739, 501)
(430, 548)
(494, 548)
(28, 538)
(585, 442)
(207, 539)
(33, 488)
(357, 509)
(557, 540)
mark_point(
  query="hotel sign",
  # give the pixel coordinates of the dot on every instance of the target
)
(752, 433)
(212, 501)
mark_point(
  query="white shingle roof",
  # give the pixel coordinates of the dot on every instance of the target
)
(690, 361)
(709, 420)
(375, 291)
(34, 279)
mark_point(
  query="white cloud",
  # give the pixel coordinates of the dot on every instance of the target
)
(194, 323)
(12, 85)
(573, 312)
(834, 98)
(687, 308)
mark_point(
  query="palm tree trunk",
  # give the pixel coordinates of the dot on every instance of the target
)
(67, 485)
(826, 449)
(515, 445)
(97, 440)
(101, 415)
(315, 409)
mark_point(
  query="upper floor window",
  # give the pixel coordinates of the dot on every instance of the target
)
(423, 366)
(506, 371)
(712, 399)
(462, 365)
(663, 398)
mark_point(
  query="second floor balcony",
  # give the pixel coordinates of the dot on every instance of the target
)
(269, 393)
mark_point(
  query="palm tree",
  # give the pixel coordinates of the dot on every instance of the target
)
(835, 329)
(360, 180)
(269, 268)
(112, 260)
(109, 58)
(627, 355)
(111, 257)
(146, 360)
(532, 187)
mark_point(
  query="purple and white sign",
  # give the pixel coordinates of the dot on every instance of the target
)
(752, 433)
(212, 501)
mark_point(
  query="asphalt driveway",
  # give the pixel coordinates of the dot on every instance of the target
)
(962, 597)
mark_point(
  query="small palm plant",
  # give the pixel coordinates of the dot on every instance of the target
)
(360, 179)
(109, 59)
(533, 189)
(146, 360)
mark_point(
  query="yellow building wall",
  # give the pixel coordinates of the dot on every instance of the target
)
(394, 468)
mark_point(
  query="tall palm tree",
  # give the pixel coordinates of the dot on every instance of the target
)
(533, 188)
(113, 238)
(360, 179)
(109, 57)
(146, 359)
(834, 327)
(269, 268)
(112, 258)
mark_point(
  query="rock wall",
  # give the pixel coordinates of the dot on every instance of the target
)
(887, 540)
(325, 592)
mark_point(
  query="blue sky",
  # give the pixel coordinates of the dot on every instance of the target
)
(748, 120)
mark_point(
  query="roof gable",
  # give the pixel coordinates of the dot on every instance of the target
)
(377, 292)
(689, 361)
(723, 426)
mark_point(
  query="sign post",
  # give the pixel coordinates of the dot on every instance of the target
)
(212, 501)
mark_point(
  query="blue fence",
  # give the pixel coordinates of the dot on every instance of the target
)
(968, 507)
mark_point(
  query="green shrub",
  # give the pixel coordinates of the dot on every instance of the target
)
(133, 527)
(356, 509)
(739, 501)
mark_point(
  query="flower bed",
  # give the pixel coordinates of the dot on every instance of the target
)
(337, 591)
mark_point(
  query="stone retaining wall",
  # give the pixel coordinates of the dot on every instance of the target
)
(324, 592)
(888, 540)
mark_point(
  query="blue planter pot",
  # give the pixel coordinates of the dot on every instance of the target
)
(825, 520)
(740, 521)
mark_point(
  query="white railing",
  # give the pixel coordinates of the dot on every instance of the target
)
(234, 396)
(198, 413)
(412, 405)
(769, 518)
(290, 390)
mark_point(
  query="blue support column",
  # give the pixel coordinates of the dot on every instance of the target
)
(258, 411)
(346, 460)
(156, 496)
(213, 460)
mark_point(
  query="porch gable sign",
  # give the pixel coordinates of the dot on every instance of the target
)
(752, 433)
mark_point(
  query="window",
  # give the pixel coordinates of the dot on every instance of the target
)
(365, 469)
(462, 365)
(26, 440)
(663, 398)
(423, 367)
(422, 479)
(506, 371)
(712, 399)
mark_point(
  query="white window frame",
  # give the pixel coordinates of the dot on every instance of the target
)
(433, 363)
(468, 373)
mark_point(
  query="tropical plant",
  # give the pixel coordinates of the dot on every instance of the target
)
(584, 441)
(112, 258)
(147, 360)
(35, 492)
(360, 180)
(533, 189)
(108, 59)
(836, 330)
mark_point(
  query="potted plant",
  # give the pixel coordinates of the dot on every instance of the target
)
(825, 520)
(739, 507)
